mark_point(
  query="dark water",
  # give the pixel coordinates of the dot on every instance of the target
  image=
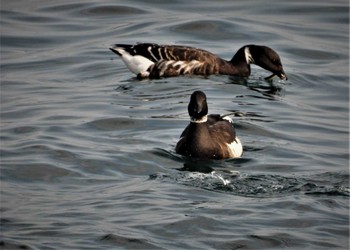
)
(87, 151)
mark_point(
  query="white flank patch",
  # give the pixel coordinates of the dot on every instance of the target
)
(185, 66)
(248, 56)
(181, 63)
(227, 118)
(236, 148)
(136, 64)
(193, 65)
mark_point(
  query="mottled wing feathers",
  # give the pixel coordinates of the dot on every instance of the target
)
(174, 68)
(172, 60)
(155, 52)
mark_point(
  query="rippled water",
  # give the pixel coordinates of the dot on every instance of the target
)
(87, 150)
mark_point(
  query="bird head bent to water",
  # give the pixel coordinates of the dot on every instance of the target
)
(262, 56)
(155, 61)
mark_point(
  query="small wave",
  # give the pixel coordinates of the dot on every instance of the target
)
(91, 9)
(5, 244)
(254, 185)
(36, 172)
(114, 124)
(106, 10)
(128, 242)
(209, 29)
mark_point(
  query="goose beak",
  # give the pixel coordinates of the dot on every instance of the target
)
(280, 74)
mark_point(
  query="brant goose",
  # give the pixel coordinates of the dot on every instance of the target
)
(208, 136)
(155, 61)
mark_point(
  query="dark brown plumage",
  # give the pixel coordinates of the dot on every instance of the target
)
(154, 61)
(207, 136)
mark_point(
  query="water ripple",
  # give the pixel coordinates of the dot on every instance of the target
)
(87, 150)
(255, 185)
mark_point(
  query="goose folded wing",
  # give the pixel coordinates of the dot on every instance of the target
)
(168, 68)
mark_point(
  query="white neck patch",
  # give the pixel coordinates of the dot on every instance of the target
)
(202, 120)
(248, 56)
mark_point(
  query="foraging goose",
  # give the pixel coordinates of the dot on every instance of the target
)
(155, 61)
(208, 136)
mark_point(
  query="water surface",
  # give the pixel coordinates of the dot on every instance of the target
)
(87, 150)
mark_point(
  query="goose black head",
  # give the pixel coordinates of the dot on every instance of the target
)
(266, 58)
(198, 108)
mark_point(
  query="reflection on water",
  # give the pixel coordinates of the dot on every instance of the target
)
(87, 150)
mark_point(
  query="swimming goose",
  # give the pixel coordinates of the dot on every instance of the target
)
(155, 61)
(208, 136)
